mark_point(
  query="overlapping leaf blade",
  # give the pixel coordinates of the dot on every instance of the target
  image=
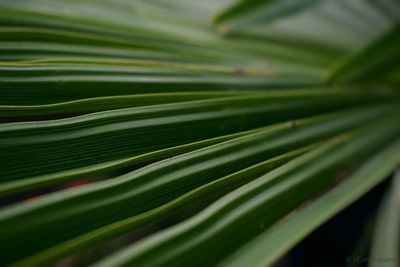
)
(159, 112)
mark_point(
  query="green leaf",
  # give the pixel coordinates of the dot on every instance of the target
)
(157, 113)
(91, 139)
(372, 64)
(147, 187)
(220, 185)
(89, 105)
(270, 9)
(385, 243)
(250, 208)
(12, 187)
(266, 248)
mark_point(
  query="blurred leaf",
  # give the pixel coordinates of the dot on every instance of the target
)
(374, 63)
(274, 242)
(270, 9)
(117, 117)
(385, 244)
(277, 192)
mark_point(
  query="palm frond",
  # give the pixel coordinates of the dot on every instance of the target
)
(203, 144)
